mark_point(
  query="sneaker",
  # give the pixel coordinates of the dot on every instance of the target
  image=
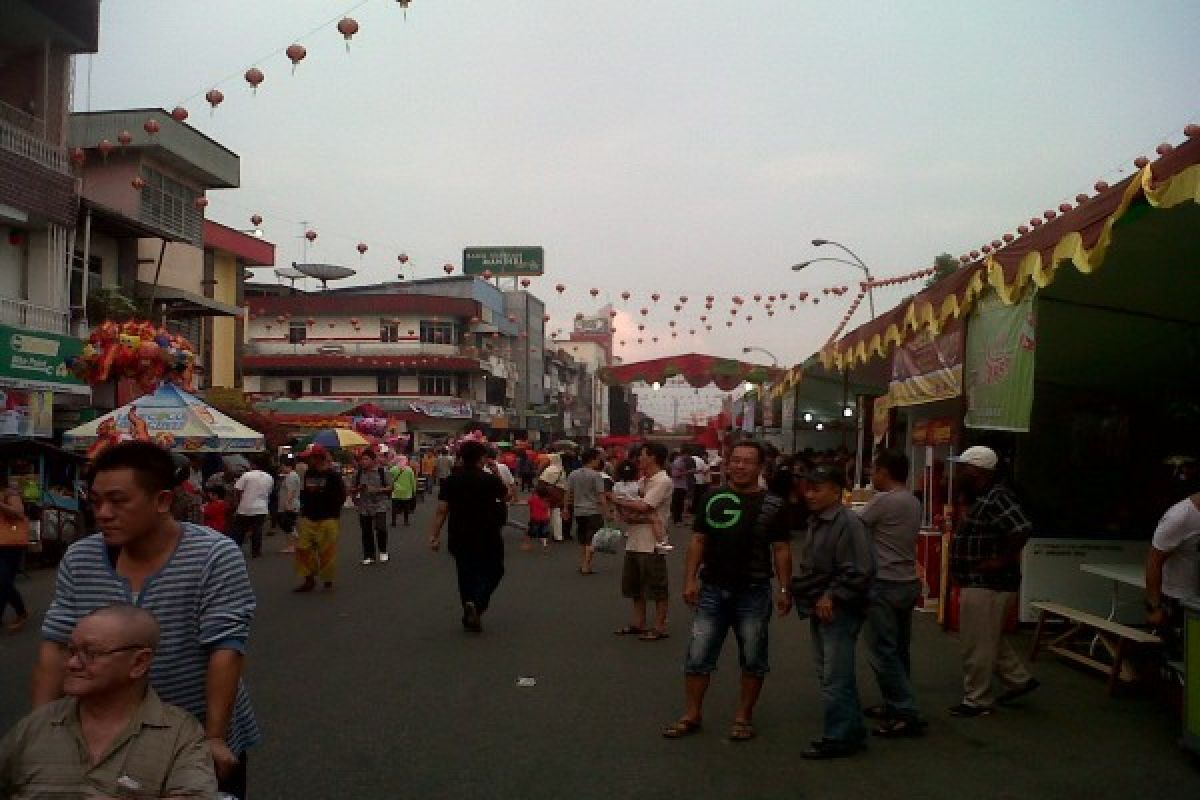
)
(1020, 691)
(368, 561)
(383, 557)
(964, 710)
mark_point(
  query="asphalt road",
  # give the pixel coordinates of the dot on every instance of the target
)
(374, 691)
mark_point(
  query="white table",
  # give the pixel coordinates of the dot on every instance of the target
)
(1128, 574)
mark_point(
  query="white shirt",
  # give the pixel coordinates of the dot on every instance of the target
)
(504, 473)
(1178, 535)
(700, 476)
(255, 486)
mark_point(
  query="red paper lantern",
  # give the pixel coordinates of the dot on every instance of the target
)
(201, 203)
(151, 126)
(545, 318)
(296, 53)
(354, 321)
(78, 156)
(1064, 207)
(791, 308)
(105, 147)
(560, 288)
(758, 298)
(671, 323)
(612, 315)
(1036, 221)
(1049, 213)
(1100, 186)
(347, 27)
(311, 321)
(361, 248)
(214, 97)
(641, 327)
(709, 298)
(644, 311)
(624, 295)
(1164, 148)
(487, 274)
(593, 292)
(402, 258)
(783, 295)
(254, 76)
(179, 113)
(447, 268)
(1081, 198)
(1022, 229)
(728, 323)
(655, 297)
(525, 283)
(987, 248)
(256, 220)
(311, 235)
(125, 138)
(683, 298)
(1140, 162)
(138, 183)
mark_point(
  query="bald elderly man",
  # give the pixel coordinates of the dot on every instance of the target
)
(110, 736)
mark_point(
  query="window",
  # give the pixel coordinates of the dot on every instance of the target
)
(295, 387)
(437, 332)
(436, 383)
(387, 384)
(389, 331)
(320, 385)
(169, 204)
(297, 332)
(95, 270)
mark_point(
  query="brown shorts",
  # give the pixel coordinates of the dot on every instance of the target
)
(644, 576)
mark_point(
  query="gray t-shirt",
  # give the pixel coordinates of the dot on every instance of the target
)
(585, 486)
(894, 519)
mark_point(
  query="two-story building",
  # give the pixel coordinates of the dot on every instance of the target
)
(38, 204)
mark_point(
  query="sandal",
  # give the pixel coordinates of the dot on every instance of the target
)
(682, 728)
(900, 728)
(630, 630)
(742, 731)
(654, 636)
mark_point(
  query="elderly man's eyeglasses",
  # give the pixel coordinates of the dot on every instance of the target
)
(88, 654)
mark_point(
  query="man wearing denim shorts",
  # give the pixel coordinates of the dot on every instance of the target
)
(740, 536)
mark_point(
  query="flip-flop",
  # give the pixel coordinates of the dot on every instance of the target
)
(681, 728)
(742, 732)
(630, 630)
(654, 636)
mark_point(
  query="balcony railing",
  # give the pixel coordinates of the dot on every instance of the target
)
(38, 318)
(326, 348)
(15, 139)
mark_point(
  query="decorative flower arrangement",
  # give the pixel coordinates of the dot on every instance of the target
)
(138, 350)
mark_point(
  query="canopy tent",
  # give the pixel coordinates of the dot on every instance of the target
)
(171, 417)
(698, 370)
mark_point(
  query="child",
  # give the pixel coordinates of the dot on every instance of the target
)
(214, 509)
(539, 519)
(627, 486)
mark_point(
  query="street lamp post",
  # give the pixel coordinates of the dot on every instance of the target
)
(761, 423)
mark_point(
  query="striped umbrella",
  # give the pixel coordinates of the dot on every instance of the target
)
(338, 439)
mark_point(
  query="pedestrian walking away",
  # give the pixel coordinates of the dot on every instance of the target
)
(251, 501)
(587, 505)
(836, 566)
(192, 579)
(404, 489)
(644, 571)
(372, 497)
(321, 501)
(893, 521)
(472, 504)
(985, 562)
(290, 486)
(740, 538)
(554, 479)
(107, 685)
(681, 470)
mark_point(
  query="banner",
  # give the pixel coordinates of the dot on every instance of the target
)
(26, 412)
(1001, 342)
(927, 368)
(38, 360)
(443, 409)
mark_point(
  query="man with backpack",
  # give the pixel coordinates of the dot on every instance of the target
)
(372, 493)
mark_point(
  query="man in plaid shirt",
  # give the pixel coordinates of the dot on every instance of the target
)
(985, 562)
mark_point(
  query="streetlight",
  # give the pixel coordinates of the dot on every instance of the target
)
(857, 262)
(765, 351)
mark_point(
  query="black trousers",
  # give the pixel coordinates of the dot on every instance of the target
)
(10, 565)
(678, 501)
(252, 524)
(478, 577)
(235, 782)
(374, 533)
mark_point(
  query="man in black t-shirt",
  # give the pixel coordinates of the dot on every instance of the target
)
(740, 538)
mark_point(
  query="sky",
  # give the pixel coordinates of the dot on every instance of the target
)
(685, 147)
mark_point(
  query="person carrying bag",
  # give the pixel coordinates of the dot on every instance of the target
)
(14, 541)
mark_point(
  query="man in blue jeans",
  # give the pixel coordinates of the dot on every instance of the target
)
(832, 588)
(893, 519)
(740, 535)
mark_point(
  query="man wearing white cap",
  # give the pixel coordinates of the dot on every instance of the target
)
(985, 562)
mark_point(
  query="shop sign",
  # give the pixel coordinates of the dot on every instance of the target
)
(444, 409)
(1001, 343)
(933, 431)
(504, 260)
(927, 368)
(38, 360)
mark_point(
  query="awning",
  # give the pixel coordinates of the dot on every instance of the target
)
(1080, 236)
(110, 222)
(698, 370)
(181, 303)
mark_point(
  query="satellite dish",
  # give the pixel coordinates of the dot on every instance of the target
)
(324, 272)
(289, 274)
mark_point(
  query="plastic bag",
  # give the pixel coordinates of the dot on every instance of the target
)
(606, 540)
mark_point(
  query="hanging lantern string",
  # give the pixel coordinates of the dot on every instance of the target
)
(277, 51)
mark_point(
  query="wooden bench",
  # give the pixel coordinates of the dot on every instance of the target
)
(1116, 638)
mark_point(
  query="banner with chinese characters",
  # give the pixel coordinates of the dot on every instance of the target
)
(1001, 344)
(927, 368)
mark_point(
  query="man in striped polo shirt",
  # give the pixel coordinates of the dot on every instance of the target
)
(191, 578)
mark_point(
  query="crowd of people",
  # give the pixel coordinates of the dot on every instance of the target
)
(148, 627)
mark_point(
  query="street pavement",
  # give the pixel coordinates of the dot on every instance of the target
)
(374, 691)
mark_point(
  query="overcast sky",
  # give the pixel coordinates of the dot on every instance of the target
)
(679, 146)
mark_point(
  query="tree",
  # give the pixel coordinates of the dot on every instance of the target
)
(943, 265)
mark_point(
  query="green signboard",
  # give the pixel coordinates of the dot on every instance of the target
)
(1001, 341)
(38, 360)
(504, 260)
